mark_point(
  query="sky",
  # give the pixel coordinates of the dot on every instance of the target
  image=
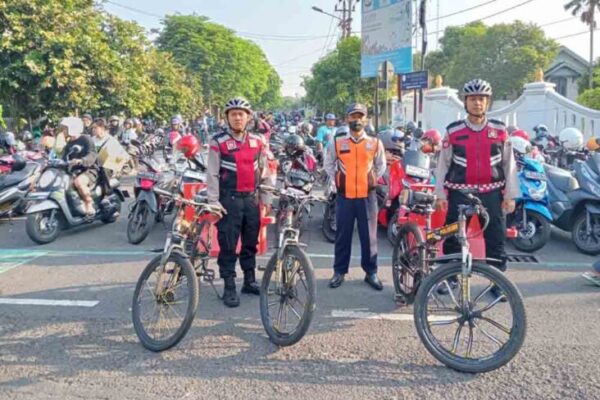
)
(294, 37)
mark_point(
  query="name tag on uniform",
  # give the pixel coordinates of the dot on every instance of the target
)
(369, 145)
(231, 145)
(492, 134)
(345, 145)
(252, 143)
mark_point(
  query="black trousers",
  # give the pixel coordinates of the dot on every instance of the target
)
(494, 235)
(242, 219)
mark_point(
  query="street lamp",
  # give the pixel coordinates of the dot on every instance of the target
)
(317, 9)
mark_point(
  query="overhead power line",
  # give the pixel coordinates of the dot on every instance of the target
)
(573, 35)
(462, 11)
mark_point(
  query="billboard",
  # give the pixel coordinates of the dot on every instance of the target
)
(386, 35)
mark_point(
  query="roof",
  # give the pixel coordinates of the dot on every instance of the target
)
(567, 57)
(563, 69)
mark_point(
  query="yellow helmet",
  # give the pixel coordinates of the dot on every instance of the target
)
(593, 144)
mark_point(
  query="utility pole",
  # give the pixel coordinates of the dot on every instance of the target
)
(592, 28)
(346, 7)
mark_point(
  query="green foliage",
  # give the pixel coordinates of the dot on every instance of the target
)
(507, 55)
(225, 64)
(336, 81)
(2, 123)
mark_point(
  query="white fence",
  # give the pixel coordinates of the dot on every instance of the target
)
(539, 104)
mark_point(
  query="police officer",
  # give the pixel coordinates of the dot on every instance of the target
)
(355, 161)
(477, 158)
(236, 166)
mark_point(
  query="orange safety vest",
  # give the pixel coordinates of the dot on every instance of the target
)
(355, 175)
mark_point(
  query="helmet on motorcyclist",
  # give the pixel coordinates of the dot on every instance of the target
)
(306, 128)
(593, 144)
(189, 146)
(129, 122)
(72, 125)
(418, 133)
(27, 136)
(175, 120)
(520, 133)
(159, 132)
(113, 118)
(330, 117)
(410, 127)
(393, 141)
(430, 141)
(477, 87)
(294, 145)
(571, 138)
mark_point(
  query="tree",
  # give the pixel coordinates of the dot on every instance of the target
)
(507, 55)
(336, 81)
(586, 9)
(225, 64)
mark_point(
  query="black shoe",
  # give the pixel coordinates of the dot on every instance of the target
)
(230, 296)
(337, 280)
(442, 289)
(250, 286)
(374, 281)
(497, 292)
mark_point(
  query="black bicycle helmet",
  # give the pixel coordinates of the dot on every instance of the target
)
(294, 145)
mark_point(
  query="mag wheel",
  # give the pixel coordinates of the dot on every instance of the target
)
(407, 259)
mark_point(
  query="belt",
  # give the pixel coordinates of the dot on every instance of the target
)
(235, 193)
(485, 188)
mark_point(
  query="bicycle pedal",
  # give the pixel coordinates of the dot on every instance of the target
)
(208, 275)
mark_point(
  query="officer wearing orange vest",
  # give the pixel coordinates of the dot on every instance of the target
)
(355, 161)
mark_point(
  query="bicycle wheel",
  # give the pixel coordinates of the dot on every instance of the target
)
(287, 297)
(165, 302)
(407, 258)
(440, 319)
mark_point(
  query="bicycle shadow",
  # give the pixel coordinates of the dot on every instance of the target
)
(56, 345)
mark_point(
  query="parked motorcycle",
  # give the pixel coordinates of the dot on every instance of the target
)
(56, 204)
(575, 202)
(531, 218)
(15, 186)
(329, 225)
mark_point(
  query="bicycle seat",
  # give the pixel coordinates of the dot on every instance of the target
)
(561, 179)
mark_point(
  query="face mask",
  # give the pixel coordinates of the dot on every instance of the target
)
(356, 126)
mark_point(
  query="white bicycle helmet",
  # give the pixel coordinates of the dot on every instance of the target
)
(477, 87)
(571, 138)
(74, 125)
(238, 103)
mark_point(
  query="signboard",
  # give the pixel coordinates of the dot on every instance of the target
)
(386, 36)
(414, 80)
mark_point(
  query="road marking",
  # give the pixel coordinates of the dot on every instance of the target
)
(63, 253)
(13, 219)
(10, 261)
(44, 302)
(382, 316)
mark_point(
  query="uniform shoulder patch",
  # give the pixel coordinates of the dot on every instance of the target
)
(340, 134)
(496, 124)
(455, 126)
(220, 137)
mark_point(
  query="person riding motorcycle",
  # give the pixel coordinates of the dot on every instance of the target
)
(175, 131)
(393, 144)
(114, 126)
(237, 165)
(295, 148)
(477, 158)
(80, 153)
(7, 143)
(87, 123)
(129, 133)
(326, 132)
(593, 144)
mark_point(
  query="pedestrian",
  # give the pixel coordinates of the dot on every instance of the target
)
(355, 161)
(237, 165)
(477, 158)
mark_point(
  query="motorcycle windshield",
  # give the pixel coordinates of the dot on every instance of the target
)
(416, 164)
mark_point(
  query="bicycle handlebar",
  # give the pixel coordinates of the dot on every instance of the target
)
(204, 207)
(299, 196)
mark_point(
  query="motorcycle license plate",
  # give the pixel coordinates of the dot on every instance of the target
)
(147, 175)
(538, 176)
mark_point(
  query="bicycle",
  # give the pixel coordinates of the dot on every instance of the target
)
(441, 289)
(170, 280)
(288, 280)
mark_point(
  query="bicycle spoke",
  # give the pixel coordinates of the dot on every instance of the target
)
(444, 322)
(496, 324)
(490, 305)
(489, 336)
(470, 342)
(483, 293)
(279, 316)
(295, 312)
(457, 338)
(451, 293)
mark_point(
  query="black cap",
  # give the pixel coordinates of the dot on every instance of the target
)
(357, 108)
(100, 122)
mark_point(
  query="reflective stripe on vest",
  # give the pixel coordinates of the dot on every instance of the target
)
(239, 169)
(355, 174)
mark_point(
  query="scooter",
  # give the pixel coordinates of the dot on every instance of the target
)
(15, 186)
(532, 218)
(575, 202)
(56, 204)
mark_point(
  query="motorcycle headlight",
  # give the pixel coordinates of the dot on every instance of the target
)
(536, 194)
(46, 179)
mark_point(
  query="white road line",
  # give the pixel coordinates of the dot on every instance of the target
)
(382, 316)
(44, 302)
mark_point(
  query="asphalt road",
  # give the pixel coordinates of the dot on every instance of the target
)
(81, 343)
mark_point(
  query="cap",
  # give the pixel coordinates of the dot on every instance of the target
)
(357, 108)
(87, 115)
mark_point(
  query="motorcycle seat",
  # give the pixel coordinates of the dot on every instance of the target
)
(17, 177)
(561, 179)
